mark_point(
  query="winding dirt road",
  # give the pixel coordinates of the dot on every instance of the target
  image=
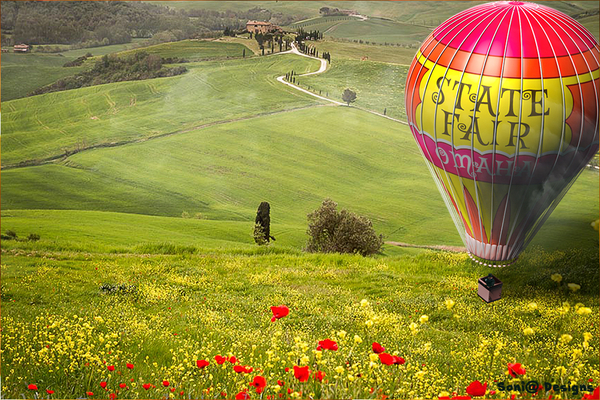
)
(322, 69)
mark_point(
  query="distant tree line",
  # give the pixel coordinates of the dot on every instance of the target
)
(95, 23)
(301, 35)
(112, 68)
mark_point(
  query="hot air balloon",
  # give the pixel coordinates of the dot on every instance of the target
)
(502, 100)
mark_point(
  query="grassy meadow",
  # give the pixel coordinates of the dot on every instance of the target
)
(355, 51)
(146, 281)
(23, 73)
(194, 50)
(64, 122)
(378, 86)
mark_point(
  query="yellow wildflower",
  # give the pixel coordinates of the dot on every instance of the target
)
(566, 338)
(342, 334)
(587, 336)
(373, 357)
(449, 303)
(574, 287)
(423, 319)
(584, 311)
(533, 306)
(528, 331)
(339, 369)
(556, 277)
(357, 339)
(364, 302)
(369, 323)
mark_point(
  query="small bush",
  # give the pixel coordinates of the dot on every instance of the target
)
(185, 214)
(33, 237)
(198, 216)
(109, 288)
(10, 235)
(331, 231)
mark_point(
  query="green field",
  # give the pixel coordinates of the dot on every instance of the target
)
(105, 114)
(378, 86)
(220, 171)
(101, 50)
(380, 31)
(592, 24)
(23, 73)
(195, 50)
(355, 51)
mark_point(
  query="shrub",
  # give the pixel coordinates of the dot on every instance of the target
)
(185, 214)
(10, 235)
(331, 231)
(33, 237)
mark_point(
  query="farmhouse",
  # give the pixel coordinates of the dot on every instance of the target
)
(21, 48)
(262, 27)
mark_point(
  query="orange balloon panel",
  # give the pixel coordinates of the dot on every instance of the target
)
(502, 100)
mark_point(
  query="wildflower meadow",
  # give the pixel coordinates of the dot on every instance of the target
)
(285, 325)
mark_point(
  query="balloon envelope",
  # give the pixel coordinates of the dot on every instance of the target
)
(502, 100)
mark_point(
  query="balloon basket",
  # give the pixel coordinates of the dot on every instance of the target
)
(489, 291)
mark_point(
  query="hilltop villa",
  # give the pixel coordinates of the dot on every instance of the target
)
(262, 27)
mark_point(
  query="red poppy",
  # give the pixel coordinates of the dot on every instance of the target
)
(515, 369)
(399, 360)
(31, 386)
(290, 390)
(89, 393)
(493, 392)
(386, 358)
(593, 396)
(233, 360)
(223, 394)
(279, 312)
(181, 393)
(172, 390)
(129, 366)
(242, 396)
(319, 375)
(202, 363)
(281, 383)
(131, 380)
(165, 383)
(112, 396)
(238, 368)
(122, 385)
(259, 383)
(327, 344)
(287, 369)
(111, 368)
(461, 398)
(377, 348)
(146, 386)
(476, 389)
(49, 391)
(248, 369)
(301, 373)
(103, 385)
(220, 360)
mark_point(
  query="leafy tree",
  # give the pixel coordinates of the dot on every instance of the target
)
(332, 231)
(349, 96)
